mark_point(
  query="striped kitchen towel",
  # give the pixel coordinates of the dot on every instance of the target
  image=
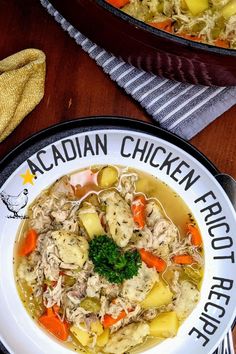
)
(181, 108)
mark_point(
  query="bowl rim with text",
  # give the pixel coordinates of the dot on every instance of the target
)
(190, 174)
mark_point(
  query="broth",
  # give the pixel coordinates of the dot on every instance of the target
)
(92, 191)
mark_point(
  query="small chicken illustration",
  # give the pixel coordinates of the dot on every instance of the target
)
(15, 203)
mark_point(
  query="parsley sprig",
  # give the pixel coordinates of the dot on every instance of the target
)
(110, 262)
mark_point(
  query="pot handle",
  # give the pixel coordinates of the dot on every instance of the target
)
(228, 183)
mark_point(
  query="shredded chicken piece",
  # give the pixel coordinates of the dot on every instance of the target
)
(62, 188)
(132, 316)
(97, 285)
(71, 225)
(89, 318)
(165, 237)
(119, 305)
(39, 218)
(76, 315)
(162, 240)
(53, 295)
(143, 238)
(93, 286)
(230, 30)
(149, 314)
(127, 186)
(167, 8)
(219, 3)
(104, 306)
(50, 260)
(175, 285)
(185, 246)
(78, 291)
(110, 290)
(53, 207)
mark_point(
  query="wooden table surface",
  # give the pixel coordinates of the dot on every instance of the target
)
(77, 87)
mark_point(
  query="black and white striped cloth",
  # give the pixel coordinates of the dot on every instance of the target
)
(181, 108)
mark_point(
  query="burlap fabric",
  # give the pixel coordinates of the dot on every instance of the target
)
(22, 78)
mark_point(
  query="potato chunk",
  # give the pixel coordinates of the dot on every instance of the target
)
(107, 176)
(229, 9)
(159, 295)
(92, 224)
(71, 247)
(97, 328)
(82, 336)
(126, 338)
(103, 338)
(165, 325)
(197, 6)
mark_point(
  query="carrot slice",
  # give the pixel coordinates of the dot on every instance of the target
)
(54, 325)
(29, 243)
(192, 38)
(223, 43)
(138, 210)
(196, 237)
(164, 25)
(152, 261)
(109, 321)
(183, 259)
(49, 311)
(118, 3)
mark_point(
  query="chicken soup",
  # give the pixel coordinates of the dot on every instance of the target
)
(108, 252)
(207, 21)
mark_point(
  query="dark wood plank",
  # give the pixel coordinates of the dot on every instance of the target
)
(217, 142)
(77, 87)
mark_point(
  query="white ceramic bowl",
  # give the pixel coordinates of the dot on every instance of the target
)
(78, 144)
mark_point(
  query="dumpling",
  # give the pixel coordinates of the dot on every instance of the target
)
(71, 247)
(187, 300)
(119, 217)
(126, 338)
(136, 288)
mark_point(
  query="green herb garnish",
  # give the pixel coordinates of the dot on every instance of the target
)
(110, 262)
